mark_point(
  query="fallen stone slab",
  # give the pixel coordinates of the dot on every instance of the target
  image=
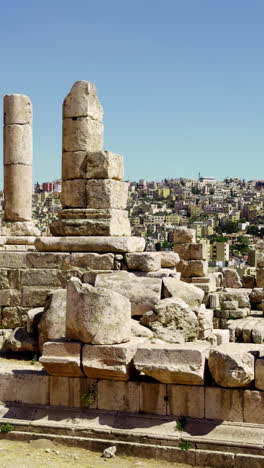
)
(189, 293)
(232, 365)
(96, 315)
(90, 244)
(62, 358)
(143, 293)
(168, 363)
(113, 362)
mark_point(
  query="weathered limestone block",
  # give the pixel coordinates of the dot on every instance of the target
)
(93, 261)
(73, 193)
(189, 268)
(35, 296)
(113, 362)
(214, 302)
(111, 223)
(82, 134)
(205, 322)
(33, 319)
(37, 277)
(82, 102)
(18, 231)
(62, 358)
(248, 281)
(45, 260)
(168, 363)
(218, 278)
(169, 259)
(18, 192)
(20, 341)
(145, 261)
(53, 320)
(171, 320)
(192, 251)
(10, 297)
(189, 293)
(90, 276)
(119, 396)
(12, 317)
(225, 404)
(222, 336)
(260, 277)
(162, 273)
(254, 410)
(18, 144)
(96, 315)
(232, 365)
(85, 165)
(233, 294)
(249, 329)
(230, 305)
(153, 398)
(143, 293)
(17, 109)
(120, 244)
(259, 372)
(232, 313)
(182, 235)
(231, 278)
(256, 295)
(13, 260)
(186, 401)
(106, 193)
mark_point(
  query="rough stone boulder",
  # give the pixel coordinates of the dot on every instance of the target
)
(143, 293)
(232, 365)
(176, 364)
(139, 330)
(143, 261)
(52, 323)
(189, 293)
(172, 320)
(96, 315)
(169, 259)
(235, 294)
(231, 278)
(182, 235)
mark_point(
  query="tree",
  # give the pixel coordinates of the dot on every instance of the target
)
(158, 246)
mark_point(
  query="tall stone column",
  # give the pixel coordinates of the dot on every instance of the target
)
(18, 166)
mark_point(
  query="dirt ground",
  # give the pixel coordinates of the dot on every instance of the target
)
(42, 453)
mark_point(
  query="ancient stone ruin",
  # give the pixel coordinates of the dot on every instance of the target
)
(117, 328)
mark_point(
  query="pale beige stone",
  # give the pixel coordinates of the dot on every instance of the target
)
(120, 244)
(35, 296)
(260, 278)
(222, 336)
(214, 301)
(10, 297)
(17, 109)
(112, 223)
(65, 391)
(169, 363)
(93, 261)
(183, 235)
(189, 293)
(231, 278)
(139, 330)
(96, 315)
(45, 260)
(106, 193)
(33, 318)
(186, 400)
(259, 372)
(39, 277)
(53, 320)
(62, 358)
(19, 233)
(205, 322)
(192, 251)
(18, 192)
(232, 365)
(111, 362)
(13, 260)
(153, 398)
(119, 396)
(189, 268)
(82, 102)
(169, 259)
(96, 165)
(82, 134)
(143, 293)
(73, 193)
(145, 261)
(225, 404)
(74, 165)
(253, 407)
(18, 144)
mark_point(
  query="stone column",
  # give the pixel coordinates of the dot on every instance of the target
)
(18, 166)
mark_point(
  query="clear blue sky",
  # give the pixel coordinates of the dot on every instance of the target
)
(181, 81)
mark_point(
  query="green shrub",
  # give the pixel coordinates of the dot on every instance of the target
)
(6, 428)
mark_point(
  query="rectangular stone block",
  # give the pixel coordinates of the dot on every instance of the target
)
(173, 363)
(62, 358)
(145, 261)
(81, 102)
(192, 251)
(111, 223)
(17, 109)
(24, 385)
(119, 244)
(119, 396)
(215, 459)
(224, 404)
(65, 391)
(92, 261)
(18, 200)
(33, 296)
(183, 235)
(113, 362)
(190, 268)
(86, 165)
(259, 373)
(10, 297)
(18, 144)
(185, 400)
(246, 461)
(12, 260)
(82, 134)
(46, 260)
(153, 398)
(37, 277)
(107, 193)
(253, 407)
(73, 194)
